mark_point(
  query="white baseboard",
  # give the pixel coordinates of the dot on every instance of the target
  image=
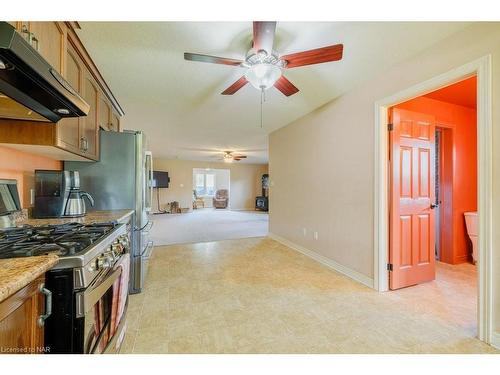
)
(359, 277)
(495, 340)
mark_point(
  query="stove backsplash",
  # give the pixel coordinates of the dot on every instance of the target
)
(19, 165)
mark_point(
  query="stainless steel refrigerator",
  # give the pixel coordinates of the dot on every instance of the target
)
(122, 179)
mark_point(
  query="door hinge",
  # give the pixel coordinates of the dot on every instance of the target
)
(390, 127)
(389, 267)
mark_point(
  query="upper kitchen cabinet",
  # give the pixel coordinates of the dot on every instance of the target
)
(90, 129)
(68, 129)
(48, 38)
(50, 42)
(75, 138)
(105, 120)
(115, 122)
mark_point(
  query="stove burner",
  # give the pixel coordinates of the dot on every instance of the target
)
(62, 240)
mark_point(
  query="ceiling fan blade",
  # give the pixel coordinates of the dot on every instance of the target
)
(285, 86)
(314, 56)
(263, 36)
(211, 59)
(235, 86)
(240, 156)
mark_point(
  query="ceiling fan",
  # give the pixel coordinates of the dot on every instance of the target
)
(265, 66)
(229, 156)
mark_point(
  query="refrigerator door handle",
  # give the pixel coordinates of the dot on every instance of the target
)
(149, 183)
(148, 224)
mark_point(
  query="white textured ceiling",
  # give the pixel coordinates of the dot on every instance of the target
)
(178, 103)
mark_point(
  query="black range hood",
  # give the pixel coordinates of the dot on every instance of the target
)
(27, 78)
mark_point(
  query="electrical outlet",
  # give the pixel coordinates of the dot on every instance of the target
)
(315, 235)
(32, 197)
(304, 231)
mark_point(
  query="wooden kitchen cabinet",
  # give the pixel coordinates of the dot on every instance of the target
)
(68, 129)
(19, 328)
(90, 130)
(50, 38)
(104, 113)
(115, 122)
(70, 138)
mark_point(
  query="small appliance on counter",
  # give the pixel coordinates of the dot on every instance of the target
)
(9, 202)
(58, 194)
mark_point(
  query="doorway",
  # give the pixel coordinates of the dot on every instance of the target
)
(482, 69)
(206, 183)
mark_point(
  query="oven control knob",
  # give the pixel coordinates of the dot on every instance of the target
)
(116, 248)
(124, 241)
(103, 261)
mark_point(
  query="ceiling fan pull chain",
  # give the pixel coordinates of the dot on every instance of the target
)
(262, 99)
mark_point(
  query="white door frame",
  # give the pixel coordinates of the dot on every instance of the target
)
(481, 68)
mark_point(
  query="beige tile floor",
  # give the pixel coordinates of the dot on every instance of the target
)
(258, 296)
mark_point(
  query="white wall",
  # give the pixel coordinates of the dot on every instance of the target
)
(322, 165)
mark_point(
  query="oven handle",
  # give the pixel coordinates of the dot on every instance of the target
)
(91, 297)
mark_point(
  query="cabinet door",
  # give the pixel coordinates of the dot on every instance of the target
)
(51, 38)
(68, 135)
(104, 113)
(115, 122)
(19, 329)
(89, 128)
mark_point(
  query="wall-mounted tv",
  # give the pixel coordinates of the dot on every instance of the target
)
(160, 179)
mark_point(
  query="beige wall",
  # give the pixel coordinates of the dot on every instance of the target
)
(322, 165)
(245, 182)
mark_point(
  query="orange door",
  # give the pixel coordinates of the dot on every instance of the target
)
(412, 197)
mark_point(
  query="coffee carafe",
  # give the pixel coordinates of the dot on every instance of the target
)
(75, 204)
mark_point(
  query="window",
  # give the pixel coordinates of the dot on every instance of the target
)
(204, 183)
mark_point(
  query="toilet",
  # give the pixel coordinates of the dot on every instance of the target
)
(472, 231)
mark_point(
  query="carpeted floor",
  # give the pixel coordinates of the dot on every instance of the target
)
(207, 225)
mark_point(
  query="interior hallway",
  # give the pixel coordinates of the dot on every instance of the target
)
(207, 224)
(258, 296)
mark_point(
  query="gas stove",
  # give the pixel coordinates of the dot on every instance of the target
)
(86, 248)
(87, 289)
(62, 240)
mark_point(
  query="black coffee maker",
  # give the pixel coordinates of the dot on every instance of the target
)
(52, 191)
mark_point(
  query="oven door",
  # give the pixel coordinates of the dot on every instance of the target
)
(98, 305)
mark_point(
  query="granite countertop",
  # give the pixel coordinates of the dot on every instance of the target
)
(91, 217)
(16, 273)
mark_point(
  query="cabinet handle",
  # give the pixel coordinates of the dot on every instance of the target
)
(84, 144)
(48, 305)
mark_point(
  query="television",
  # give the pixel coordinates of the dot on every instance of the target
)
(160, 179)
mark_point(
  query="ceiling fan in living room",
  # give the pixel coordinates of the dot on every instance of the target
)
(230, 156)
(264, 66)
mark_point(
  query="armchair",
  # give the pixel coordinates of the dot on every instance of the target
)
(221, 198)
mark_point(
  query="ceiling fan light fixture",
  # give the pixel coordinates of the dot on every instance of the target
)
(263, 76)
